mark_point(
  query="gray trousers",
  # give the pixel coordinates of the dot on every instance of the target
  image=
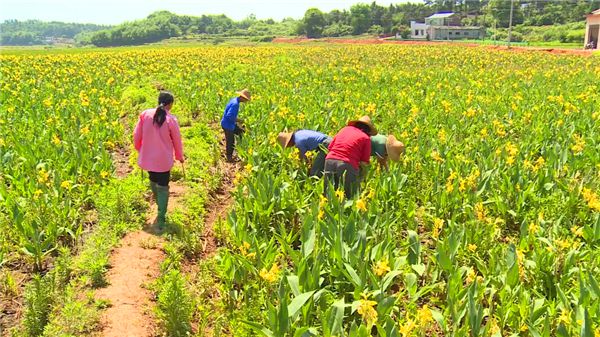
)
(339, 172)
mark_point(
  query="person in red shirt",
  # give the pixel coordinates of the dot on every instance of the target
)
(349, 150)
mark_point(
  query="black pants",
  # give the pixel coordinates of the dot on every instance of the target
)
(318, 165)
(160, 178)
(230, 140)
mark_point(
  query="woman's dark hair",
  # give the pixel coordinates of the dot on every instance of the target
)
(164, 98)
(363, 127)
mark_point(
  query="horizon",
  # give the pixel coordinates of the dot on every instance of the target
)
(101, 12)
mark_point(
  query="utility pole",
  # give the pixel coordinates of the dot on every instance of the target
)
(510, 22)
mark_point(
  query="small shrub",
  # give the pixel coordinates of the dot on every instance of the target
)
(175, 306)
(38, 303)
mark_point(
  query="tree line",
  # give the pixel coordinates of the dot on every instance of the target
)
(359, 19)
(32, 32)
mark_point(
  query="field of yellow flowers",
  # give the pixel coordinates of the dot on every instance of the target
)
(488, 226)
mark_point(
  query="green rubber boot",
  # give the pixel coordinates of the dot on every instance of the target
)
(153, 186)
(162, 200)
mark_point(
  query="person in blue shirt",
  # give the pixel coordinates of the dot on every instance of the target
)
(308, 140)
(230, 122)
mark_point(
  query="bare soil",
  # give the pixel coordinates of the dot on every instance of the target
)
(133, 266)
(121, 161)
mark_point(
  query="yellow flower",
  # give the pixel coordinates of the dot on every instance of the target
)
(494, 328)
(436, 156)
(472, 247)
(367, 311)
(471, 276)
(424, 316)
(480, 211)
(321, 214)
(65, 184)
(564, 317)
(407, 328)
(361, 205)
(442, 135)
(55, 140)
(248, 167)
(579, 145)
(85, 130)
(533, 228)
(37, 194)
(591, 198)
(381, 267)
(104, 174)
(43, 176)
(577, 231)
(339, 194)
(272, 275)
(437, 227)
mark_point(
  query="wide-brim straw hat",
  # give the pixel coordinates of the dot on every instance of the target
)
(394, 148)
(245, 93)
(284, 139)
(365, 120)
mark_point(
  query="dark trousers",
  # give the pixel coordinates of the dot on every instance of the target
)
(339, 172)
(160, 178)
(230, 140)
(318, 165)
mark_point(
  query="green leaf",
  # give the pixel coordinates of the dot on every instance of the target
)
(336, 317)
(293, 281)
(414, 248)
(298, 302)
(388, 278)
(512, 273)
(586, 327)
(419, 268)
(259, 328)
(353, 276)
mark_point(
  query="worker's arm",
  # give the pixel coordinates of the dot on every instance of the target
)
(383, 163)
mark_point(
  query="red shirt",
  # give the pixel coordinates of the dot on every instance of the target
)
(351, 146)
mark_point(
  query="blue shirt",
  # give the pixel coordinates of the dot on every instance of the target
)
(231, 113)
(308, 140)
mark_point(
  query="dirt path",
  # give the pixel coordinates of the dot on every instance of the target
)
(219, 203)
(133, 265)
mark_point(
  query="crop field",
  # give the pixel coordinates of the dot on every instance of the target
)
(489, 225)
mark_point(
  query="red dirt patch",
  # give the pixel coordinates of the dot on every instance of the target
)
(134, 264)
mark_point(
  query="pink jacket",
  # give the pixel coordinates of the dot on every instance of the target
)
(155, 144)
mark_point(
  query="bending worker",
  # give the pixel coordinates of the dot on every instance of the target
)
(307, 140)
(349, 153)
(386, 147)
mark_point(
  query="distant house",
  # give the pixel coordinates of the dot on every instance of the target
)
(444, 26)
(592, 30)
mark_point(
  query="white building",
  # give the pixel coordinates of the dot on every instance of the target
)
(418, 30)
(443, 26)
(592, 29)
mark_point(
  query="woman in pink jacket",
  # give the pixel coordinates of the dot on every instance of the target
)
(156, 138)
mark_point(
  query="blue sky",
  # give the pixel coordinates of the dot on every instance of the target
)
(117, 11)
